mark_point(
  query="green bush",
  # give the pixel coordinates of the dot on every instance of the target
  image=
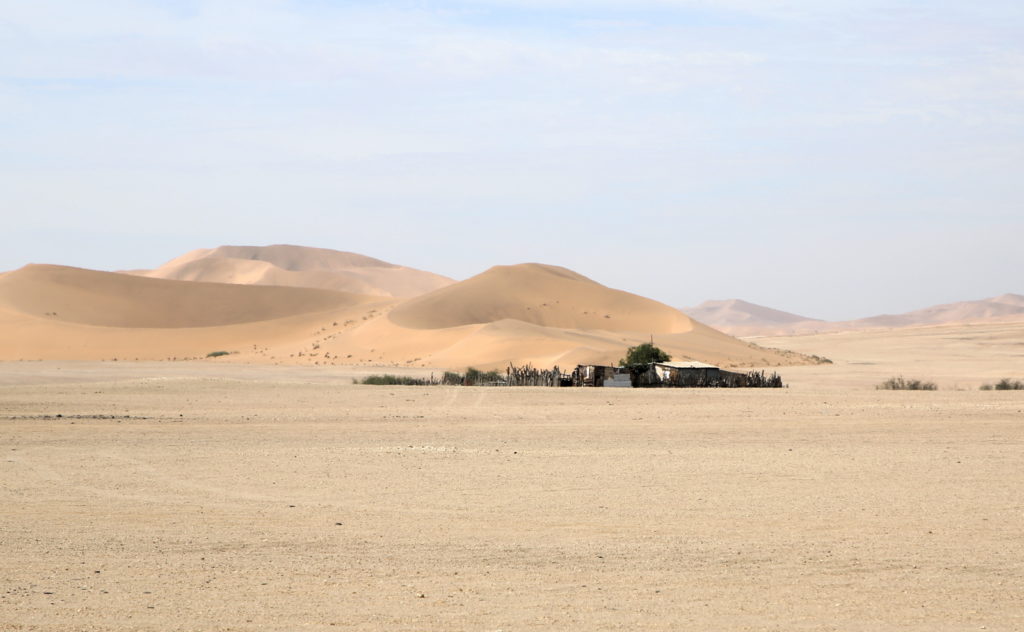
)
(217, 354)
(901, 384)
(472, 377)
(476, 376)
(1005, 384)
(644, 354)
(452, 378)
(395, 380)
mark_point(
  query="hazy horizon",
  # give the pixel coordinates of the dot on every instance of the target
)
(835, 160)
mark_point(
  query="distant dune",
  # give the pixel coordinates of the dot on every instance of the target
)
(529, 313)
(298, 266)
(741, 318)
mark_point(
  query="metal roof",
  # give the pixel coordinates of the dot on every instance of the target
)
(689, 364)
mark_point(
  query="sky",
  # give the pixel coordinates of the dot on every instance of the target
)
(833, 158)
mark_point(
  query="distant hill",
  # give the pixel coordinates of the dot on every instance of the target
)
(1002, 307)
(741, 318)
(298, 266)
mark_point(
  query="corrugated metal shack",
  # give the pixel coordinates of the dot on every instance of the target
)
(683, 374)
(657, 374)
(688, 374)
(602, 376)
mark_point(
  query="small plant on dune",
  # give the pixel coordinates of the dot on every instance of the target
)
(902, 384)
(1005, 384)
(217, 354)
(644, 354)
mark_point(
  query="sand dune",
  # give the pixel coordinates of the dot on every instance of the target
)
(528, 313)
(534, 313)
(741, 318)
(49, 312)
(116, 300)
(298, 266)
(540, 294)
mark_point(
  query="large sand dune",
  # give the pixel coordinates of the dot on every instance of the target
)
(49, 312)
(108, 299)
(527, 313)
(531, 313)
(540, 294)
(298, 266)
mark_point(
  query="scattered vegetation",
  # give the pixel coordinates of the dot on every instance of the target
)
(396, 380)
(217, 354)
(902, 384)
(644, 354)
(820, 359)
(451, 377)
(1005, 384)
(473, 377)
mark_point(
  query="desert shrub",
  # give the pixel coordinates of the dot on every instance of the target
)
(900, 383)
(644, 354)
(1005, 384)
(472, 377)
(452, 378)
(395, 380)
(217, 354)
(476, 376)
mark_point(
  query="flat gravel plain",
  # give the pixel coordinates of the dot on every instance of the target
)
(243, 498)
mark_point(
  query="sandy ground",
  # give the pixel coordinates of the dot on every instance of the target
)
(962, 356)
(222, 497)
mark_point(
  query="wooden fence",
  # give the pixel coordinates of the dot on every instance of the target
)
(529, 376)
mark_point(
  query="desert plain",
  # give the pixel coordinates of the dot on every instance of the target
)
(208, 496)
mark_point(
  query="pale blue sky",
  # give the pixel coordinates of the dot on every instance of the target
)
(833, 158)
